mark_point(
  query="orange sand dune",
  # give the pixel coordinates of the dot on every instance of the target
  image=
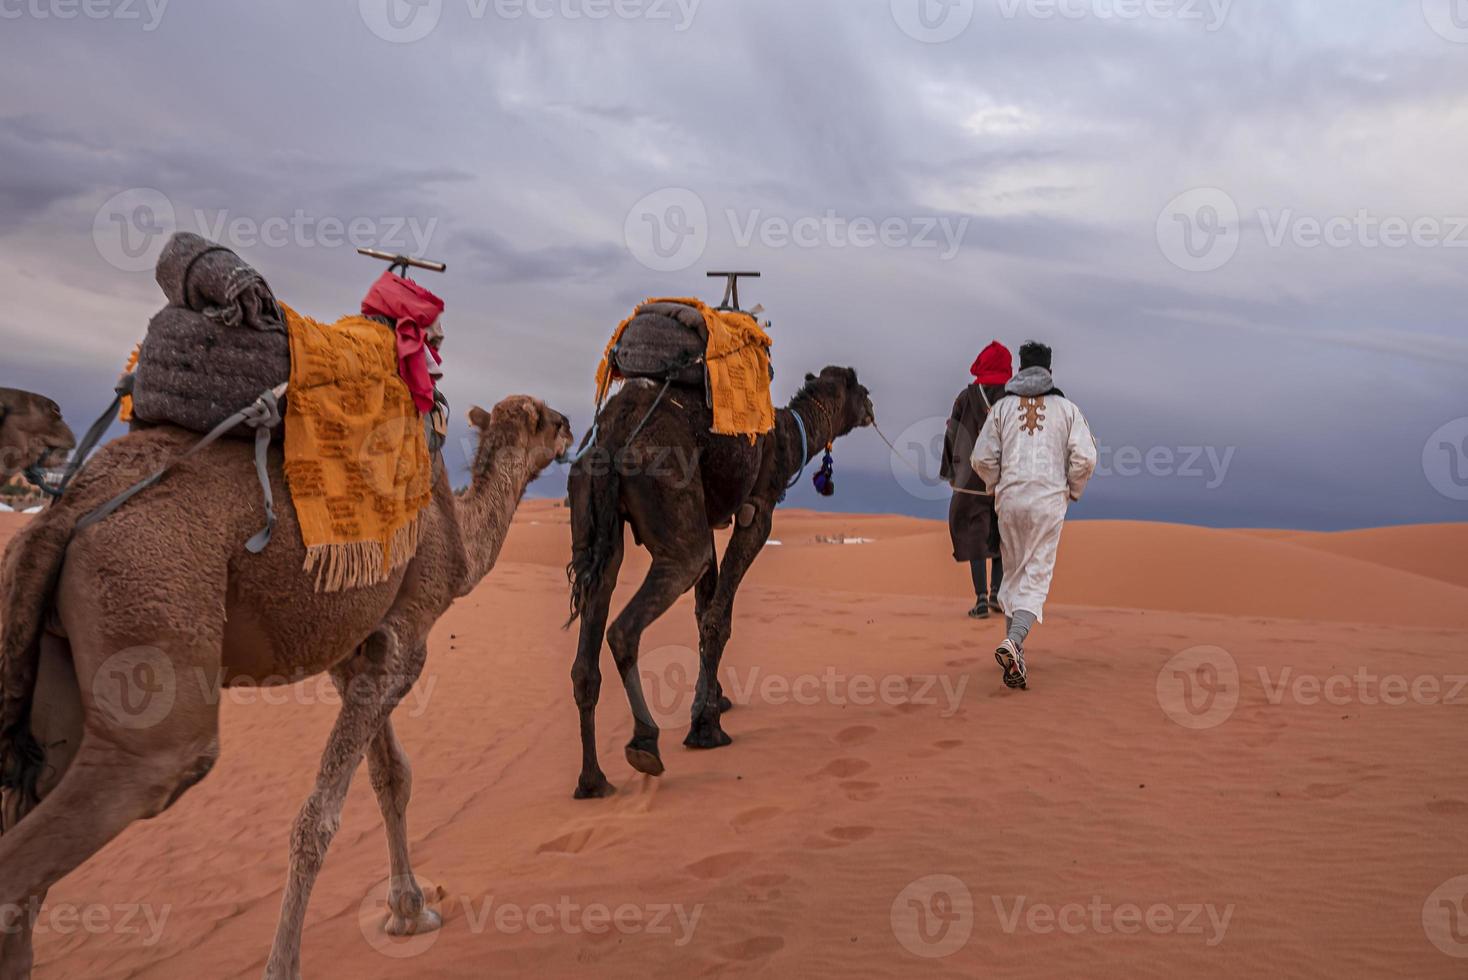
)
(887, 807)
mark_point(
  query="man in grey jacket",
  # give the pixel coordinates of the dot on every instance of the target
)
(1037, 453)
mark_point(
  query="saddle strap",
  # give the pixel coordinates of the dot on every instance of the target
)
(263, 416)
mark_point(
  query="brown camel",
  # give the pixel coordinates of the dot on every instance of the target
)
(32, 434)
(627, 478)
(106, 630)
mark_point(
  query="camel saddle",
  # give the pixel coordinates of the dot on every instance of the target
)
(664, 342)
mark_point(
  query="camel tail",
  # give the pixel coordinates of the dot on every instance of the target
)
(28, 575)
(595, 525)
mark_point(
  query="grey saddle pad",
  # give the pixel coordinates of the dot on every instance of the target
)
(195, 372)
(663, 341)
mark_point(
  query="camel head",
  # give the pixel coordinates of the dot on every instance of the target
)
(524, 426)
(839, 387)
(32, 434)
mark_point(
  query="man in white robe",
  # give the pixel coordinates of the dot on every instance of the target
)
(1037, 452)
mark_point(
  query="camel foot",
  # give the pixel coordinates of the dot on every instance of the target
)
(426, 920)
(642, 755)
(595, 788)
(707, 735)
(725, 705)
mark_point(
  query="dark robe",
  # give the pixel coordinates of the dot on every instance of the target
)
(971, 520)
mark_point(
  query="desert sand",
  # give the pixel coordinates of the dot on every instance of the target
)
(1241, 754)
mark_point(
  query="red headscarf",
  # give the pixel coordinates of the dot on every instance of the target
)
(414, 310)
(995, 365)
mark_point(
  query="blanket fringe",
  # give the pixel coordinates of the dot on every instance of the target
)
(355, 564)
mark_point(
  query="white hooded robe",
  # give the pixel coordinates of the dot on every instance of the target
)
(1038, 454)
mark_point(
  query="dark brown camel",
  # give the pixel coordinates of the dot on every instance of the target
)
(675, 481)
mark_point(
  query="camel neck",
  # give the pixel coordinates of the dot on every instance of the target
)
(501, 475)
(818, 427)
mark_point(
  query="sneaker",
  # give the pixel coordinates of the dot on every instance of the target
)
(980, 611)
(1011, 660)
(994, 602)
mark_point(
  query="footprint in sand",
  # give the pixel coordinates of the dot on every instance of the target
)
(573, 843)
(758, 815)
(751, 949)
(718, 865)
(1449, 808)
(860, 792)
(845, 768)
(965, 662)
(857, 733)
(1327, 791)
(949, 744)
(839, 837)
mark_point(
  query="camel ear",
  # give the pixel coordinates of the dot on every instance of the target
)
(809, 378)
(479, 418)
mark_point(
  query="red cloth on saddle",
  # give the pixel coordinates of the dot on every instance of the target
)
(414, 310)
(995, 365)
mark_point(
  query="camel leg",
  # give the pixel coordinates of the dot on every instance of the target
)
(119, 775)
(586, 676)
(703, 594)
(392, 781)
(705, 731)
(56, 724)
(374, 682)
(669, 578)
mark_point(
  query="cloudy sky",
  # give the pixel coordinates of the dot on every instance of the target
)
(1242, 225)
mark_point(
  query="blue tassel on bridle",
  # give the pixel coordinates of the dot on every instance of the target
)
(824, 481)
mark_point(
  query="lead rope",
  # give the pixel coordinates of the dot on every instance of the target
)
(920, 474)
